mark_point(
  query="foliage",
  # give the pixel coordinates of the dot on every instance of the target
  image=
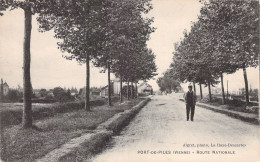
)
(30, 7)
(124, 40)
(61, 95)
(224, 39)
(193, 59)
(111, 33)
(234, 25)
(13, 95)
(168, 82)
(43, 92)
(254, 94)
(124, 90)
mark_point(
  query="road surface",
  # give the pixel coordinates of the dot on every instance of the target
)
(160, 132)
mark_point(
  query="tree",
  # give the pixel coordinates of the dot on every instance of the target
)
(224, 39)
(13, 95)
(192, 60)
(104, 58)
(235, 27)
(141, 66)
(124, 38)
(78, 29)
(254, 94)
(30, 7)
(168, 83)
(94, 30)
(43, 92)
(61, 95)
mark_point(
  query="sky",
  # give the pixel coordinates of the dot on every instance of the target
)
(49, 69)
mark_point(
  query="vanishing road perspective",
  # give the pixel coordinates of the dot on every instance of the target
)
(160, 132)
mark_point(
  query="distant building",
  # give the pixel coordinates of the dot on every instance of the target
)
(93, 92)
(4, 88)
(104, 90)
(116, 86)
(145, 88)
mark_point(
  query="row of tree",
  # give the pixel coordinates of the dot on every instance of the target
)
(224, 39)
(110, 33)
(168, 83)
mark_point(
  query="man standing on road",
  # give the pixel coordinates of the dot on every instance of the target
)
(190, 100)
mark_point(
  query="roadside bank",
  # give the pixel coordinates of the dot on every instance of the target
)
(86, 146)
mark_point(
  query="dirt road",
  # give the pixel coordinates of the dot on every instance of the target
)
(160, 132)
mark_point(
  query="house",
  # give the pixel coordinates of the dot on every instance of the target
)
(4, 88)
(145, 88)
(104, 90)
(116, 86)
(93, 92)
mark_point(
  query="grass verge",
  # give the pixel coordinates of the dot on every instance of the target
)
(98, 142)
(30, 144)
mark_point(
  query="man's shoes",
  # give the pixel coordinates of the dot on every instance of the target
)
(187, 119)
(192, 120)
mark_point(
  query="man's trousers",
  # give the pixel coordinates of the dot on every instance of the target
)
(190, 107)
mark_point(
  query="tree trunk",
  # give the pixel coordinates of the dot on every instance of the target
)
(136, 90)
(127, 93)
(27, 86)
(121, 87)
(222, 87)
(132, 93)
(201, 96)
(194, 86)
(109, 87)
(246, 86)
(210, 98)
(87, 104)
(227, 90)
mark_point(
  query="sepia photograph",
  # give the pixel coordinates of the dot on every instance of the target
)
(129, 81)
